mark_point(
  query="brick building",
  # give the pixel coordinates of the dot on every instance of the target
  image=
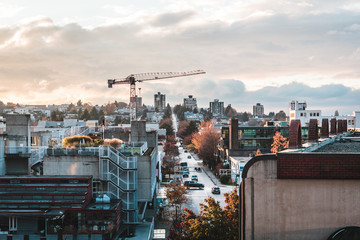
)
(297, 195)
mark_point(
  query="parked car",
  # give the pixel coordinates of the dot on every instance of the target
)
(185, 174)
(194, 178)
(193, 184)
(215, 190)
(183, 164)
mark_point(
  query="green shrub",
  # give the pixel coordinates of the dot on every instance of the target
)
(224, 179)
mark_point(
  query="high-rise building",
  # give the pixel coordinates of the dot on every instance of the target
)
(190, 102)
(159, 101)
(258, 110)
(217, 108)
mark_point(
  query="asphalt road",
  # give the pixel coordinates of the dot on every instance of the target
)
(197, 196)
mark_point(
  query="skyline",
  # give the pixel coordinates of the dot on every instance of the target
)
(252, 51)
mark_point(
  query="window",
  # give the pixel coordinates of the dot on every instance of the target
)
(301, 114)
(317, 114)
(310, 114)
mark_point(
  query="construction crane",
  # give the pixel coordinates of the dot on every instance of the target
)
(141, 77)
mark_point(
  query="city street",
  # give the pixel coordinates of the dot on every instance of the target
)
(197, 196)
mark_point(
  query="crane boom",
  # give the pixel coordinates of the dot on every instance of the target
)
(141, 77)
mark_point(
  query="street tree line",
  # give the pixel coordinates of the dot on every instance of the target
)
(212, 223)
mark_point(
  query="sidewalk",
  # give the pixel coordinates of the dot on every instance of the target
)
(207, 171)
(212, 177)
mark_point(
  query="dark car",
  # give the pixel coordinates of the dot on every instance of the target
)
(193, 184)
(189, 156)
(215, 190)
(346, 233)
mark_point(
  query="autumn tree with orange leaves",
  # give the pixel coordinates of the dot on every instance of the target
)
(279, 143)
(205, 142)
(213, 222)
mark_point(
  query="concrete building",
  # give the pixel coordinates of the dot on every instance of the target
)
(302, 193)
(240, 140)
(297, 110)
(258, 110)
(159, 101)
(17, 140)
(124, 180)
(217, 108)
(190, 116)
(190, 102)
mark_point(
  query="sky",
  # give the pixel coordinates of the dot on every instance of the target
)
(253, 51)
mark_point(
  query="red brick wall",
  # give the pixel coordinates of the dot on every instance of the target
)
(325, 128)
(313, 130)
(333, 129)
(318, 166)
(295, 134)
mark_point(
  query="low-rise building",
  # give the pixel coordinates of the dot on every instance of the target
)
(301, 193)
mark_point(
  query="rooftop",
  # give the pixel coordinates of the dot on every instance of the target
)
(347, 147)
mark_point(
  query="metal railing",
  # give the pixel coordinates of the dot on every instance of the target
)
(18, 150)
(117, 157)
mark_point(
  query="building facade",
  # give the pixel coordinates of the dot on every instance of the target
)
(190, 102)
(297, 110)
(159, 101)
(217, 108)
(258, 110)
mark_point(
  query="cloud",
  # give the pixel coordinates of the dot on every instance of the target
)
(167, 19)
(268, 58)
(9, 10)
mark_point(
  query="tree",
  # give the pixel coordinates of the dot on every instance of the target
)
(94, 114)
(229, 111)
(213, 221)
(205, 142)
(2, 107)
(258, 152)
(280, 116)
(187, 128)
(175, 194)
(171, 149)
(109, 108)
(167, 112)
(56, 115)
(79, 103)
(279, 143)
(207, 114)
(243, 116)
(168, 164)
(85, 115)
(167, 124)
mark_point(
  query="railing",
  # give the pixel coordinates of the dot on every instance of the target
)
(128, 199)
(18, 150)
(37, 154)
(117, 157)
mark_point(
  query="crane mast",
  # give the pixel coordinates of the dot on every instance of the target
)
(140, 77)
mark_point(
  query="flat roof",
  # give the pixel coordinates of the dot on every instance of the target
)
(348, 147)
